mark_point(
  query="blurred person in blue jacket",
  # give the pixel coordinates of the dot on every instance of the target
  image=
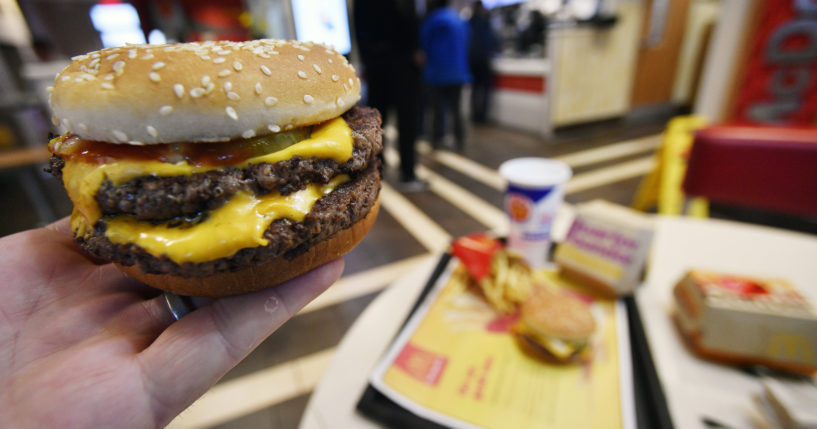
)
(444, 39)
(484, 45)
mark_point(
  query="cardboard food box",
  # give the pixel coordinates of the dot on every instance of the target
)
(606, 247)
(747, 321)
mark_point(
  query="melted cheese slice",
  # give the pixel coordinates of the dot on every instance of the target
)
(562, 349)
(330, 140)
(239, 224)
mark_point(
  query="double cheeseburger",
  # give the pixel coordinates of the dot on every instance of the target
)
(554, 327)
(216, 168)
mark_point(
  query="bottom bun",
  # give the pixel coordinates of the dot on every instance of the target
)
(261, 276)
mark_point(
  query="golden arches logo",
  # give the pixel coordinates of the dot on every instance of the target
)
(792, 347)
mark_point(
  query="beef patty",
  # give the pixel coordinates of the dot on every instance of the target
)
(161, 199)
(338, 210)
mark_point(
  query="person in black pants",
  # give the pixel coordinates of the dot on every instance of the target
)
(484, 45)
(387, 36)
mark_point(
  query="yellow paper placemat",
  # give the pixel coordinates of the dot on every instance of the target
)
(456, 363)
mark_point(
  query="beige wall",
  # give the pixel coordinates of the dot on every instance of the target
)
(722, 57)
(702, 13)
(593, 69)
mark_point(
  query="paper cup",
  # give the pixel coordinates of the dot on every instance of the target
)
(534, 193)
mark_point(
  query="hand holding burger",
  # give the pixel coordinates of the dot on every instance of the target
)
(216, 168)
(84, 346)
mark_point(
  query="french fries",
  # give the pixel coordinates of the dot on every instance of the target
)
(502, 276)
(509, 282)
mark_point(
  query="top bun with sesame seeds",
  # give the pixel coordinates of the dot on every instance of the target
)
(201, 92)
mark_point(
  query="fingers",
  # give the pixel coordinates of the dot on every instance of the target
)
(62, 226)
(192, 354)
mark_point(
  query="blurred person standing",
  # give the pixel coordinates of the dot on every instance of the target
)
(444, 39)
(388, 40)
(482, 48)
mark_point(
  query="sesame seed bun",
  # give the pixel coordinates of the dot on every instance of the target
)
(557, 315)
(200, 92)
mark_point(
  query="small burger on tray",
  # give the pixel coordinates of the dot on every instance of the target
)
(554, 327)
(216, 168)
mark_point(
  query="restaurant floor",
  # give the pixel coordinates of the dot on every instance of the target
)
(271, 387)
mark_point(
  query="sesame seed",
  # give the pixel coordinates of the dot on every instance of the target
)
(158, 65)
(196, 92)
(107, 85)
(300, 57)
(154, 76)
(317, 68)
(111, 57)
(65, 78)
(109, 76)
(50, 89)
(248, 134)
(119, 67)
(335, 78)
(219, 60)
(330, 61)
(205, 80)
(77, 79)
(340, 102)
(237, 66)
(258, 88)
(148, 56)
(224, 73)
(228, 86)
(209, 88)
(122, 137)
(136, 143)
(152, 131)
(132, 53)
(266, 70)
(302, 74)
(179, 90)
(165, 110)
(274, 128)
(231, 113)
(94, 63)
(269, 101)
(233, 96)
(351, 82)
(205, 57)
(308, 98)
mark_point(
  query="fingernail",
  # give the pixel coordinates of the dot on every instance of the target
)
(272, 304)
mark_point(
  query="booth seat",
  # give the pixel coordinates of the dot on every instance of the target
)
(768, 168)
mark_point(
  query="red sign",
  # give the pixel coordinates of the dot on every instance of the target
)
(423, 365)
(780, 78)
